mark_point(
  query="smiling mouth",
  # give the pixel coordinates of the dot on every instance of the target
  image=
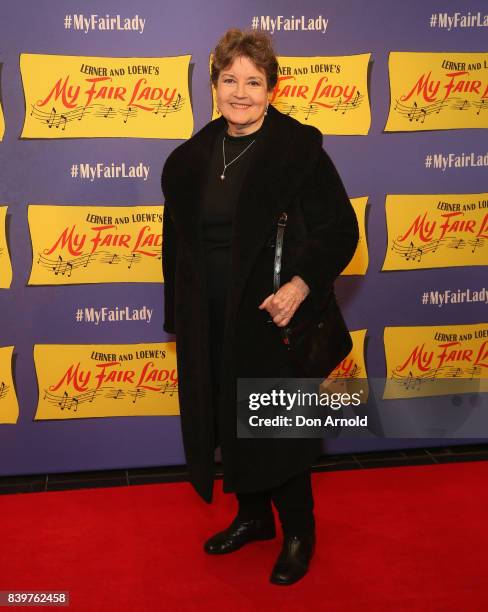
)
(239, 106)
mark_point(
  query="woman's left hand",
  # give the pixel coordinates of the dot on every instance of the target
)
(283, 304)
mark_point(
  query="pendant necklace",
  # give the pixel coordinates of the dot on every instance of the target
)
(222, 176)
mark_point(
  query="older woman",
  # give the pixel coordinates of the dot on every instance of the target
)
(225, 190)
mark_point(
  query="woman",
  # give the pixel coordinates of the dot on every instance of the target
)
(225, 189)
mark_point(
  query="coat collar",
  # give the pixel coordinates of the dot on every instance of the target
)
(264, 180)
(272, 170)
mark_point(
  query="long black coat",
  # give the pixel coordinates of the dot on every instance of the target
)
(289, 172)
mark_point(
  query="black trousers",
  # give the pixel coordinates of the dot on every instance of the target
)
(293, 499)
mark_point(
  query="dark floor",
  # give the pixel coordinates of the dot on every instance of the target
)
(134, 476)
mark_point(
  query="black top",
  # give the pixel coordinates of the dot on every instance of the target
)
(219, 204)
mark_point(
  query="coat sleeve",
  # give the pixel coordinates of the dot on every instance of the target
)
(169, 266)
(331, 224)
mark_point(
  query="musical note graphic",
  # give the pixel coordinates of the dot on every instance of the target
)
(3, 390)
(164, 109)
(286, 109)
(115, 394)
(356, 101)
(351, 105)
(477, 243)
(114, 259)
(68, 402)
(416, 252)
(461, 105)
(411, 381)
(419, 113)
(55, 119)
(344, 107)
(74, 402)
(292, 110)
(474, 371)
(62, 120)
(456, 243)
(62, 267)
(161, 108)
(106, 112)
(169, 388)
(50, 119)
(130, 112)
(312, 108)
(338, 105)
(131, 259)
(82, 113)
(416, 381)
(136, 394)
(480, 105)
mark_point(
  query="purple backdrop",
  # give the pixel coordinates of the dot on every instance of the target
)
(37, 171)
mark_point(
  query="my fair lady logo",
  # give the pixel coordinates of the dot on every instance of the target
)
(148, 377)
(450, 224)
(326, 92)
(104, 236)
(454, 83)
(450, 353)
(103, 88)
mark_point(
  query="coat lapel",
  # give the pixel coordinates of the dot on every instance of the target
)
(262, 197)
(261, 200)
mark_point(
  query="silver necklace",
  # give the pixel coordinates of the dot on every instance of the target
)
(222, 176)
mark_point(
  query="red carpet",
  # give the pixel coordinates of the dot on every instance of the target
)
(410, 538)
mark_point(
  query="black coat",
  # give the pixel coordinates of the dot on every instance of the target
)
(289, 172)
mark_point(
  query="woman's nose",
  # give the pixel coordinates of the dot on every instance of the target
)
(241, 90)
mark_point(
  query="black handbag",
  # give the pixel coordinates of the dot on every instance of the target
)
(320, 342)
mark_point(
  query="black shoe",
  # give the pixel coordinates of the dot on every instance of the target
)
(294, 559)
(240, 532)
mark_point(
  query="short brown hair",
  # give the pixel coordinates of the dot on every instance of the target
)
(256, 45)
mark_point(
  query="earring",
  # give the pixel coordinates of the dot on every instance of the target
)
(266, 111)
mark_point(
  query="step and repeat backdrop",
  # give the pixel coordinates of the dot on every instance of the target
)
(93, 98)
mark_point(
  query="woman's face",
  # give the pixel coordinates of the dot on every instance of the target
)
(242, 96)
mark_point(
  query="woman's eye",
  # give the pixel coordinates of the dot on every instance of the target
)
(255, 83)
(228, 80)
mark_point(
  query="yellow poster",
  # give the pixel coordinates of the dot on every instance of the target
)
(70, 96)
(360, 260)
(437, 91)
(5, 265)
(437, 360)
(9, 407)
(95, 244)
(80, 381)
(351, 373)
(436, 231)
(330, 93)
(353, 366)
